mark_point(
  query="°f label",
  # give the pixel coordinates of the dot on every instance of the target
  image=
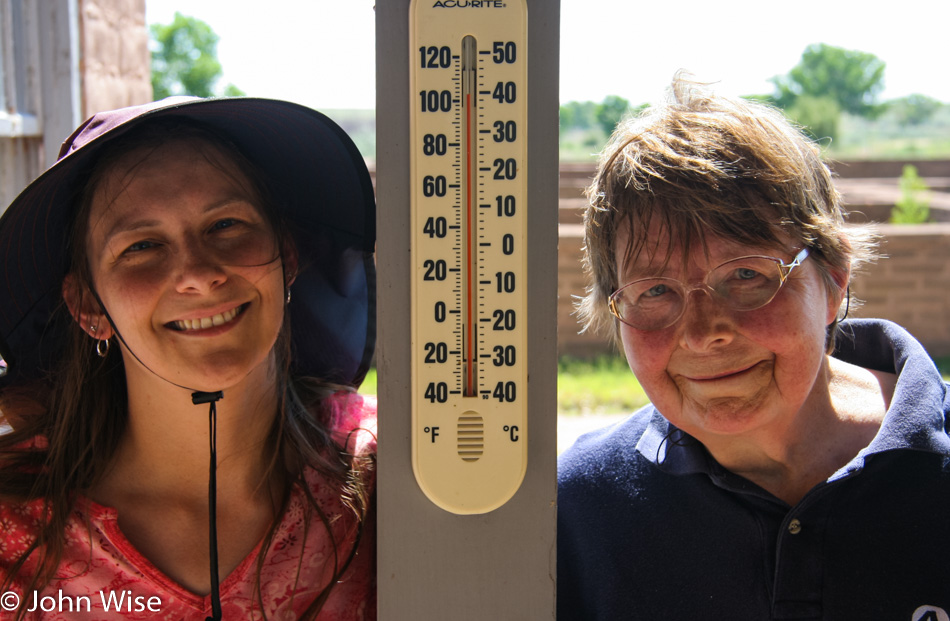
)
(468, 132)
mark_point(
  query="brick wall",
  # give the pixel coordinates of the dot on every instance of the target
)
(910, 285)
(571, 283)
(116, 63)
(865, 169)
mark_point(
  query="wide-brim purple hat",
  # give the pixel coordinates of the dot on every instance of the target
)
(317, 180)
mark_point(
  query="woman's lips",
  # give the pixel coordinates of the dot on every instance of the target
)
(203, 323)
(723, 375)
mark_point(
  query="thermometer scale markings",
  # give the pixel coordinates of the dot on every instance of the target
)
(468, 193)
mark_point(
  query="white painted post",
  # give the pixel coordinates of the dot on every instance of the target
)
(435, 565)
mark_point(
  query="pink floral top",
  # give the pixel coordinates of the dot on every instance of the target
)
(103, 577)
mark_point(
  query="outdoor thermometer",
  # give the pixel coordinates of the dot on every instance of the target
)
(468, 85)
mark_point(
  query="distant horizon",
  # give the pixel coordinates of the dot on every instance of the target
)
(608, 47)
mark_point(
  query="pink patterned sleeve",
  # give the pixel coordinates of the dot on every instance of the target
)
(18, 525)
(353, 421)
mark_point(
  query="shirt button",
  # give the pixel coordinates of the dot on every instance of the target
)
(794, 527)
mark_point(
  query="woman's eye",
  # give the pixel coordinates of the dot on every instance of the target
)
(226, 223)
(656, 291)
(745, 273)
(140, 246)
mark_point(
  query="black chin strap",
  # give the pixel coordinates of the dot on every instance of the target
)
(198, 398)
(212, 397)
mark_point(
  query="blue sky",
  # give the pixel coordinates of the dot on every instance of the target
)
(321, 52)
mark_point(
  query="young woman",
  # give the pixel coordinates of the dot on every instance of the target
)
(187, 306)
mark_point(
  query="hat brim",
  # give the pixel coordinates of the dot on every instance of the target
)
(320, 187)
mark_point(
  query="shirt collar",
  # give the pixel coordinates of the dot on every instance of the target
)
(915, 420)
(671, 448)
(920, 406)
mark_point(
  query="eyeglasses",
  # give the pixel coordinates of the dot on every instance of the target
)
(742, 284)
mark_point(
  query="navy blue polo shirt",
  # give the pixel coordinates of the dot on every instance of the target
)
(650, 526)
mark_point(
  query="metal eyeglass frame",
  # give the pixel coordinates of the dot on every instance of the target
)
(784, 270)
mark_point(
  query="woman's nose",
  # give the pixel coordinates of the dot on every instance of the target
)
(198, 270)
(706, 322)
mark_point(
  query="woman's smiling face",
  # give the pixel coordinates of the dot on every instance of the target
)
(718, 371)
(186, 264)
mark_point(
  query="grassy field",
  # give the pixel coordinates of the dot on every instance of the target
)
(859, 138)
(885, 137)
(602, 386)
(882, 138)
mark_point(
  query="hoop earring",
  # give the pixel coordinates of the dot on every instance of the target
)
(102, 350)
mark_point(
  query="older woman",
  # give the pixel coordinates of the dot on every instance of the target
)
(789, 466)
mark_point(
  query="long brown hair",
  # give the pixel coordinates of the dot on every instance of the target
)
(80, 411)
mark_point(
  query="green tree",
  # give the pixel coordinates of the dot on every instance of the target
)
(851, 78)
(768, 100)
(185, 59)
(914, 109)
(566, 117)
(610, 112)
(818, 115)
(578, 115)
(911, 208)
